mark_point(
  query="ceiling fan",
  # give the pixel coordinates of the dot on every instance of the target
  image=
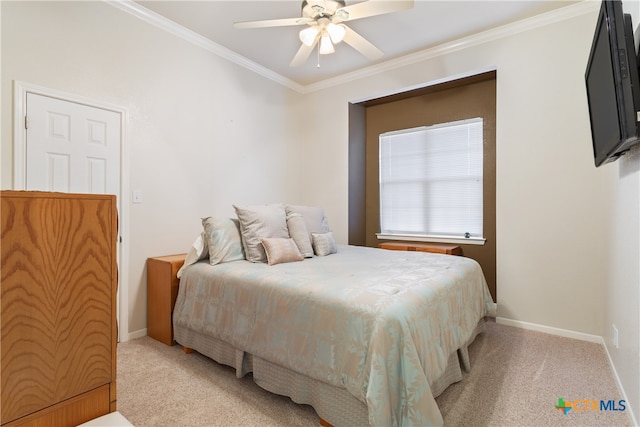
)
(325, 25)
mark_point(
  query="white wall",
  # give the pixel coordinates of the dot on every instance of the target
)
(622, 297)
(202, 133)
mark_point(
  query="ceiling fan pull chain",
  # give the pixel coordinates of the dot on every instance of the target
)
(318, 50)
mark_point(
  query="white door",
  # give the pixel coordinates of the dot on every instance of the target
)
(71, 147)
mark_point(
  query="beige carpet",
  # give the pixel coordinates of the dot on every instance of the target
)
(516, 379)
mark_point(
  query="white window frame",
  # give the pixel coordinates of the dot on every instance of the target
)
(478, 234)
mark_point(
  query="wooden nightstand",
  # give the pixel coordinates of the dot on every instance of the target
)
(439, 248)
(162, 290)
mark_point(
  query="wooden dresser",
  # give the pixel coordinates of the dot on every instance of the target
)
(58, 302)
(438, 248)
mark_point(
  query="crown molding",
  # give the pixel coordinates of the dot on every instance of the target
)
(153, 18)
(552, 17)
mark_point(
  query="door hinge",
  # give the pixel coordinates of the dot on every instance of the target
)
(26, 122)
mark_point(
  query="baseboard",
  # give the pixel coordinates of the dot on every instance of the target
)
(579, 336)
(629, 410)
(133, 335)
(551, 330)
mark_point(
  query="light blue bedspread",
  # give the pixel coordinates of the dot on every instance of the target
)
(379, 323)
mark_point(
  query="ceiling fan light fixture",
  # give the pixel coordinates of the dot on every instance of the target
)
(326, 46)
(325, 20)
(336, 32)
(308, 36)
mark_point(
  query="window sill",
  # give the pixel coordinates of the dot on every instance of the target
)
(432, 239)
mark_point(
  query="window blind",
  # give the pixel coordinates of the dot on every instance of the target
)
(431, 180)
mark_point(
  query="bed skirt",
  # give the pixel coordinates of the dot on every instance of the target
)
(333, 404)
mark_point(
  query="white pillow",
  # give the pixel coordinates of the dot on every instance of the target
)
(299, 233)
(223, 239)
(324, 244)
(257, 222)
(280, 250)
(198, 250)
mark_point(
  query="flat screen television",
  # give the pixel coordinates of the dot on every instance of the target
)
(612, 85)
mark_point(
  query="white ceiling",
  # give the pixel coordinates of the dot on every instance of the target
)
(429, 23)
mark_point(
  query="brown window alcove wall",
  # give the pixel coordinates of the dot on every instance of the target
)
(460, 99)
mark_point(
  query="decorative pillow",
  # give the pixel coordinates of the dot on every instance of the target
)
(257, 222)
(198, 250)
(299, 233)
(223, 239)
(280, 250)
(313, 217)
(324, 244)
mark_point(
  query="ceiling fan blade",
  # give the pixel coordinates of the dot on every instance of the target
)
(303, 54)
(361, 44)
(271, 23)
(373, 8)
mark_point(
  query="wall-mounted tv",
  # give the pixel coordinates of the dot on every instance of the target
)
(613, 90)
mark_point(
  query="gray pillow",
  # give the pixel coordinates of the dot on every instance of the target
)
(299, 233)
(257, 222)
(324, 244)
(313, 217)
(223, 239)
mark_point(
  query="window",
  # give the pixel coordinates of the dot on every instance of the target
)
(431, 182)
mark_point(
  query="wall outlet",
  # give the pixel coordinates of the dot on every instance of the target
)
(615, 336)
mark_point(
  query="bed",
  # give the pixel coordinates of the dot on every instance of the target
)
(366, 336)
